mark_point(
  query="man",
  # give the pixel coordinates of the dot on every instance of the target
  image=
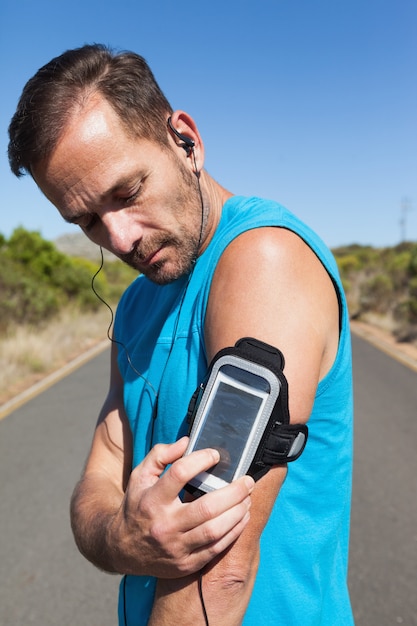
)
(103, 144)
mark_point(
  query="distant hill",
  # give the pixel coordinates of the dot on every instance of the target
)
(78, 245)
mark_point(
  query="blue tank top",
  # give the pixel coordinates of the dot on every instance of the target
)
(302, 576)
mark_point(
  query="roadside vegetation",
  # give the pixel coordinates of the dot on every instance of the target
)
(381, 286)
(49, 313)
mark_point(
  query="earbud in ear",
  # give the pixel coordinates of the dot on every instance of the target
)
(188, 143)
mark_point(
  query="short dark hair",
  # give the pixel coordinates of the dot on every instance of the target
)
(50, 97)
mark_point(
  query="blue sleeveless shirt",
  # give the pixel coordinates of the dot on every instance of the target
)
(302, 576)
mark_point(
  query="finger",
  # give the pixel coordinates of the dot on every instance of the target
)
(217, 527)
(182, 470)
(205, 554)
(164, 454)
(214, 504)
(149, 470)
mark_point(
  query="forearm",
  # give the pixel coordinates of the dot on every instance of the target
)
(228, 579)
(223, 593)
(146, 529)
(94, 505)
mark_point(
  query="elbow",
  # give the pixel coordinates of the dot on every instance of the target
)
(89, 532)
(233, 578)
(231, 587)
(227, 593)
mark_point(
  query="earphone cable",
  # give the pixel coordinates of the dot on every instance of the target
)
(114, 340)
(109, 336)
(200, 593)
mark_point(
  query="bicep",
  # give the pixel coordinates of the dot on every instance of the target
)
(271, 286)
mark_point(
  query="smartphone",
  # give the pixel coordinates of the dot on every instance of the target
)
(231, 417)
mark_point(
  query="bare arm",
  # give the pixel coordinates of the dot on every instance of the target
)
(277, 291)
(98, 494)
(134, 522)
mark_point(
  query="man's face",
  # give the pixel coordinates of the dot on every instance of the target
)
(130, 195)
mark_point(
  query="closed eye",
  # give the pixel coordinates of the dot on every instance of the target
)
(86, 222)
(128, 200)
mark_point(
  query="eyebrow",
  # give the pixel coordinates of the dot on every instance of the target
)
(120, 184)
(75, 218)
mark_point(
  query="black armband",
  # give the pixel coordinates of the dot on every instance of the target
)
(270, 439)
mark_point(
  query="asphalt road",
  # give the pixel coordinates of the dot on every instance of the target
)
(43, 445)
(383, 554)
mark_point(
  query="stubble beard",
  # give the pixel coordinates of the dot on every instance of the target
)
(181, 255)
(180, 250)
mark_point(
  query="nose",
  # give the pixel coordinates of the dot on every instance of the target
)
(121, 231)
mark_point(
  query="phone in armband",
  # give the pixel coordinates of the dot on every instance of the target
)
(238, 411)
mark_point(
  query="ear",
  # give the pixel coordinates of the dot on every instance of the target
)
(185, 125)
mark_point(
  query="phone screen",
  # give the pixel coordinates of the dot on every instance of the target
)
(228, 421)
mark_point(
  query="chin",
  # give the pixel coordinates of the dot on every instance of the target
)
(163, 278)
(163, 275)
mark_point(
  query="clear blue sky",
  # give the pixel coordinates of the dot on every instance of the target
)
(310, 102)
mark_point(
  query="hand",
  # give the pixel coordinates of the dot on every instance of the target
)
(154, 533)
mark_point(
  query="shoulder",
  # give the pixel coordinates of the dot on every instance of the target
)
(272, 257)
(269, 284)
(270, 243)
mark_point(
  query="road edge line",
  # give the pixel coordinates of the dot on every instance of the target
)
(393, 351)
(36, 389)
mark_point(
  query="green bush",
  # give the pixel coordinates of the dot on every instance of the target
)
(412, 302)
(348, 264)
(397, 266)
(376, 294)
(30, 251)
(365, 256)
(412, 268)
(24, 299)
(37, 281)
(119, 275)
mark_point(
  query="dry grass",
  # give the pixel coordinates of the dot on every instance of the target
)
(27, 355)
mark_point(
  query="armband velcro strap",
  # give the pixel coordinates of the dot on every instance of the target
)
(284, 443)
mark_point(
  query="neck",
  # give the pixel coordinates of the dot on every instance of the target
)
(214, 197)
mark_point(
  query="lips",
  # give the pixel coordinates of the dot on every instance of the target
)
(148, 256)
(151, 258)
